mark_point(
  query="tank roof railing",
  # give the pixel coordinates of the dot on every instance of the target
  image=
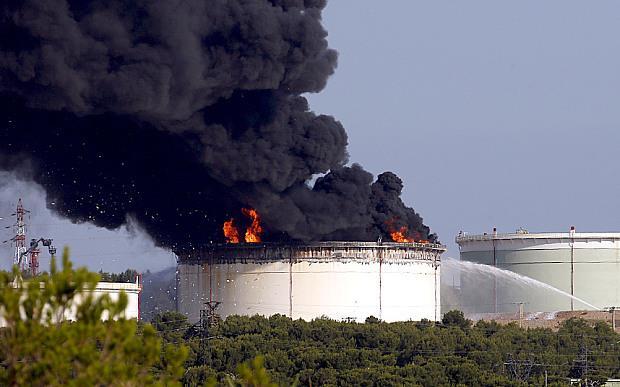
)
(333, 244)
(374, 244)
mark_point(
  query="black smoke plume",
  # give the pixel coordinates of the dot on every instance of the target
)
(178, 113)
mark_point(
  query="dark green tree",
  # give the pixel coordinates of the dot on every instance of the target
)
(56, 332)
(455, 318)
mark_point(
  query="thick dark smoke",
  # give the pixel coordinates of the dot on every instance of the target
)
(180, 112)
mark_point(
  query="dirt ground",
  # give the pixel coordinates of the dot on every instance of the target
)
(546, 319)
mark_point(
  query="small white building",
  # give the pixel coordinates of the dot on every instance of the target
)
(113, 289)
(132, 290)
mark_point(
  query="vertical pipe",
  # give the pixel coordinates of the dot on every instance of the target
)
(211, 277)
(494, 275)
(572, 275)
(177, 275)
(435, 276)
(572, 266)
(290, 284)
(380, 284)
(139, 281)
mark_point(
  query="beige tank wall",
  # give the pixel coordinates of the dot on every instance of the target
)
(307, 289)
(596, 274)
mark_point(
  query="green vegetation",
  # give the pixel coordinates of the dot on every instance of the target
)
(128, 276)
(39, 347)
(454, 352)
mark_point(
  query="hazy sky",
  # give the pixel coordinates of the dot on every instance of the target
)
(97, 248)
(492, 112)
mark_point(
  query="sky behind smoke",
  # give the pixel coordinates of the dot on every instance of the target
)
(493, 114)
(91, 246)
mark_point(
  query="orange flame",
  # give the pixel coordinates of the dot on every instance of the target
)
(401, 234)
(253, 233)
(230, 232)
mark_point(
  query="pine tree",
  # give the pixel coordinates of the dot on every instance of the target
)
(40, 346)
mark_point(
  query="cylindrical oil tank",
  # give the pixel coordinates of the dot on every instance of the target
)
(340, 280)
(585, 265)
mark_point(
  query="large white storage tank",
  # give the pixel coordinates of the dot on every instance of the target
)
(586, 265)
(340, 280)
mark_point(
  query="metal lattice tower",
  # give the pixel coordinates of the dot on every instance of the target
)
(208, 319)
(20, 236)
(27, 258)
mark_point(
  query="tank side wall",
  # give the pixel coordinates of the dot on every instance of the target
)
(336, 290)
(408, 292)
(596, 265)
(597, 274)
(310, 289)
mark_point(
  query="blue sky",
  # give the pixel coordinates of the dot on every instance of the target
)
(493, 113)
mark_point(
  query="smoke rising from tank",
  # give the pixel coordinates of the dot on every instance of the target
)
(179, 113)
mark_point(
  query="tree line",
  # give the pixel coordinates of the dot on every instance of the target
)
(39, 347)
(451, 353)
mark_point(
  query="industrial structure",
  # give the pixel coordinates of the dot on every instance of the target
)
(27, 259)
(585, 265)
(114, 289)
(341, 280)
(20, 235)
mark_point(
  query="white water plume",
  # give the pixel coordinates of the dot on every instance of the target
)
(507, 277)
